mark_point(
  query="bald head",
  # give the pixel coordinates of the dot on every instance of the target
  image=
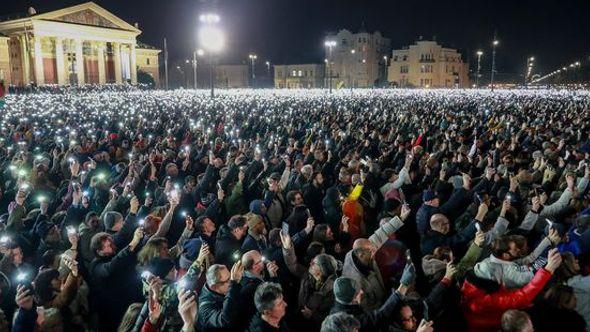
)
(252, 261)
(361, 243)
(364, 250)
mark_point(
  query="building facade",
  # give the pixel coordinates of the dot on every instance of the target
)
(358, 59)
(427, 64)
(82, 44)
(302, 76)
(232, 76)
(4, 59)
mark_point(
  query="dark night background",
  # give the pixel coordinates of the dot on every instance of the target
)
(292, 31)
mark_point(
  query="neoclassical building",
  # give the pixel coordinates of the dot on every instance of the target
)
(82, 44)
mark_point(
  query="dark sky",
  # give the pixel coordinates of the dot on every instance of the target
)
(292, 31)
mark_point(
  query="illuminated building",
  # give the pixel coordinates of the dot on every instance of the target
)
(302, 76)
(82, 44)
(429, 65)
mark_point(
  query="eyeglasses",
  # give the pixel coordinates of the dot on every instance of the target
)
(407, 319)
(223, 282)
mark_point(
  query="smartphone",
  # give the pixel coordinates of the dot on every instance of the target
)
(425, 311)
(24, 279)
(408, 256)
(478, 226)
(285, 228)
(549, 223)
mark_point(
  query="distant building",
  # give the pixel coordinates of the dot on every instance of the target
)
(429, 65)
(73, 45)
(358, 59)
(232, 76)
(302, 76)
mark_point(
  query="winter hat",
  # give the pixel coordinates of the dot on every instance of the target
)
(256, 206)
(110, 219)
(345, 289)
(429, 195)
(160, 267)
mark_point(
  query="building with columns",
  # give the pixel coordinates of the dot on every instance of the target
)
(429, 65)
(82, 44)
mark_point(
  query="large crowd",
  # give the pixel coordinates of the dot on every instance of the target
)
(125, 209)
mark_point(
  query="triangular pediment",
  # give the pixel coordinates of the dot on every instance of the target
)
(88, 13)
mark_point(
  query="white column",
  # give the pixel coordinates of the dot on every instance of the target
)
(80, 61)
(59, 61)
(133, 64)
(117, 61)
(39, 74)
(26, 63)
(101, 66)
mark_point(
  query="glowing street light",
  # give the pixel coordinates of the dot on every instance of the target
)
(330, 44)
(494, 44)
(253, 58)
(267, 63)
(196, 53)
(479, 54)
(212, 40)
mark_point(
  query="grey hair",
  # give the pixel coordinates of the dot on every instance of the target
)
(213, 274)
(340, 322)
(265, 296)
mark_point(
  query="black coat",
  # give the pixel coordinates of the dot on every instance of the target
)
(115, 285)
(226, 246)
(218, 312)
(259, 325)
(371, 320)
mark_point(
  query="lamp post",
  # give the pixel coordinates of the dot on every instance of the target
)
(479, 54)
(529, 69)
(494, 44)
(330, 45)
(198, 52)
(212, 39)
(253, 58)
(353, 70)
(385, 71)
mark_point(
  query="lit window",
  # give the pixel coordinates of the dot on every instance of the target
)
(300, 73)
(294, 73)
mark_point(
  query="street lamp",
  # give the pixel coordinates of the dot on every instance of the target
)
(479, 54)
(529, 69)
(385, 71)
(196, 53)
(212, 40)
(267, 63)
(352, 52)
(253, 58)
(494, 44)
(330, 45)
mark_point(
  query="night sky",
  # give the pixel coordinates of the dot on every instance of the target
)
(292, 31)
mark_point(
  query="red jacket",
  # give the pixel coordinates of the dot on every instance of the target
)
(483, 312)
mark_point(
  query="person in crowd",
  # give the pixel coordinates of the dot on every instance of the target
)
(271, 306)
(117, 198)
(516, 321)
(219, 300)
